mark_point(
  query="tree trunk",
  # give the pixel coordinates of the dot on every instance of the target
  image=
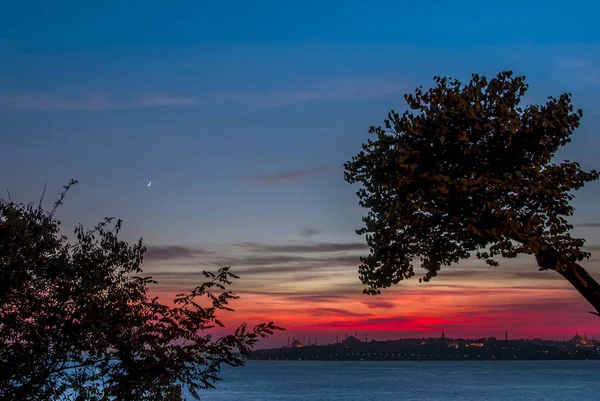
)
(584, 283)
(550, 259)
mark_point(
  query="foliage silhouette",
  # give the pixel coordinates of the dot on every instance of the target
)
(76, 321)
(467, 169)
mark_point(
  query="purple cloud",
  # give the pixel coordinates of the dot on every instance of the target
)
(309, 232)
(169, 252)
(293, 175)
(379, 304)
(333, 312)
(306, 247)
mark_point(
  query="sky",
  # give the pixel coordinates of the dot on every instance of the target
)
(242, 115)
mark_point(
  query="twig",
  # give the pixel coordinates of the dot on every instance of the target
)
(9, 197)
(43, 193)
(62, 196)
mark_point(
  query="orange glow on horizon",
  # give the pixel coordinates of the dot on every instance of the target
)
(469, 312)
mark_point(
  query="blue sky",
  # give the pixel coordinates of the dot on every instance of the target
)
(242, 113)
(72, 25)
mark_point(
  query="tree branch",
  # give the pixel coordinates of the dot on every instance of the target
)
(549, 258)
(584, 283)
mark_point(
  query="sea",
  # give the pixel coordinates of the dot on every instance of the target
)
(408, 381)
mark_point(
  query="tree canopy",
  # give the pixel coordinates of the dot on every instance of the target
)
(468, 169)
(77, 322)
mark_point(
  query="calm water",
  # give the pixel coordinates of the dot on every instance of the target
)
(417, 381)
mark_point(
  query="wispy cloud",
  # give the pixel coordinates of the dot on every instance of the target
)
(322, 271)
(386, 323)
(332, 312)
(41, 102)
(379, 304)
(288, 176)
(311, 247)
(310, 298)
(331, 265)
(589, 225)
(339, 89)
(170, 252)
(309, 232)
(260, 265)
(523, 272)
(583, 69)
(249, 266)
(258, 253)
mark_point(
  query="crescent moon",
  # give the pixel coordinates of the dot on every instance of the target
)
(149, 183)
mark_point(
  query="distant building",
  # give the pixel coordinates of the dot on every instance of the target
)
(296, 344)
(351, 340)
(577, 341)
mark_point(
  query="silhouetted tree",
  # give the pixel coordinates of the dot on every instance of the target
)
(76, 321)
(467, 169)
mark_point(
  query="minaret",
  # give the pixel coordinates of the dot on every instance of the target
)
(337, 339)
(366, 337)
(443, 335)
(506, 335)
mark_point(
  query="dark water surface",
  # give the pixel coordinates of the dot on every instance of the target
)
(464, 380)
